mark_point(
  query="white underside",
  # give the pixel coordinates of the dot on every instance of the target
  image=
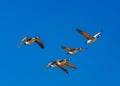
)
(27, 43)
(59, 63)
(52, 66)
(91, 41)
(71, 52)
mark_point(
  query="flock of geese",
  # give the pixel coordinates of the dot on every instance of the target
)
(61, 63)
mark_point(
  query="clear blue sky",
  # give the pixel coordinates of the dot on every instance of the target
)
(55, 21)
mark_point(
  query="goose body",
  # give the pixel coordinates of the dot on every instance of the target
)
(72, 50)
(90, 39)
(28, 41)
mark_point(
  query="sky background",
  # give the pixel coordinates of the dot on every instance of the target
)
(55, 21)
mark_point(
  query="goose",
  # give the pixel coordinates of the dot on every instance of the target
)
(28, 41)
(61, 64)
(90, 39)
(72, 50)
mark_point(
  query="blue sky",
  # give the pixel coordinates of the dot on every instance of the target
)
(55, 22)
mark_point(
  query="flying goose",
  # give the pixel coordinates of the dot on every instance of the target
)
(72, 50)
(27, 41)
(90, 39)
(60, 63)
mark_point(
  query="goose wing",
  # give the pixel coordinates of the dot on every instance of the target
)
(70, 65)
(39, 43)
(63, 68)
(67, 48)
(85, 34)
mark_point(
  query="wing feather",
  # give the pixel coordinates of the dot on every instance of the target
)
(63, 68)
(39, 43)
(85, 34)
(70, 65)
(67, 48)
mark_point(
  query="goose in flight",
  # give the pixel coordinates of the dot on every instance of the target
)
(61, 64)
(27, 41)
(72, 50)
(90, 39)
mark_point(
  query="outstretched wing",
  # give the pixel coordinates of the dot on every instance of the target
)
(67, 48)
(21, 41)
(70, 65)
(63, 68)
(85, 34)
(39, 43)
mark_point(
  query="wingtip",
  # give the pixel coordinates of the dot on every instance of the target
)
(77, 29)
(75, 67)
(43, 47)
(66, 72)
(62, 46)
